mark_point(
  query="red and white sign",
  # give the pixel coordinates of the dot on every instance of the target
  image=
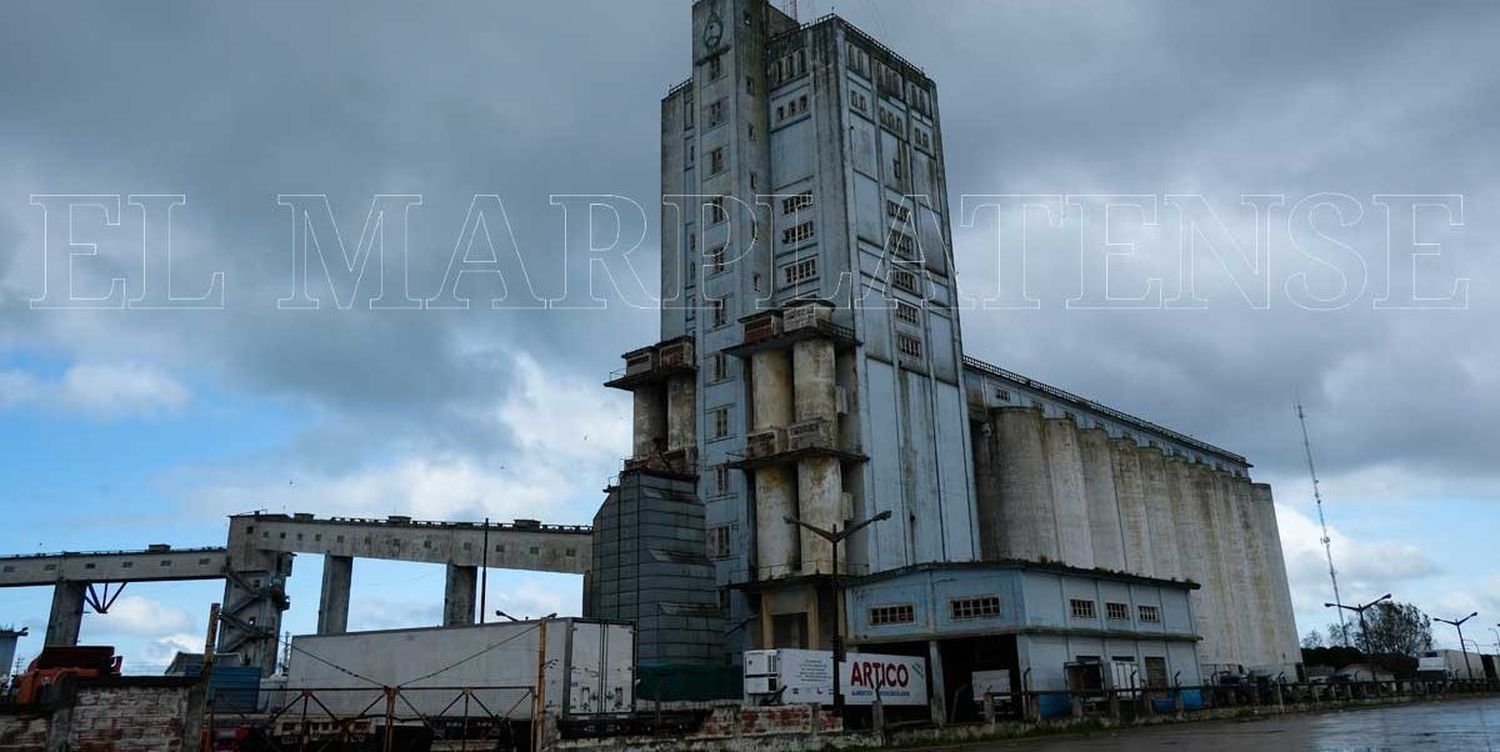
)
(897, 679)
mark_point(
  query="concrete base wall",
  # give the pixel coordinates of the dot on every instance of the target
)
(132, 714)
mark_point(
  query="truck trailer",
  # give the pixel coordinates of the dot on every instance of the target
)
(470, 678)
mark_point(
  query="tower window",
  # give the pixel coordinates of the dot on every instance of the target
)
(798, 234)
(719, 370)
(715, 114)
(718, 542)
(857, 59)
(907, 312)
(794, 204)
(800, 271)
(892, 121)
(716, 211)
(1117, 611)
(909, 346)
(716, 163)
(1149, 614)
(904, 279)
(721, 479)
(715, 263)
(858, 101)
(689, 154)
(715, 67)
(792, 108)
(716, 308)
(719, 416)
(903, 245)
(789, 67)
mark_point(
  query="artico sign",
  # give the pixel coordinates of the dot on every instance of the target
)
(896, 679)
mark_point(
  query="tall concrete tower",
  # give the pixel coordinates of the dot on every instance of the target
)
(810, 363)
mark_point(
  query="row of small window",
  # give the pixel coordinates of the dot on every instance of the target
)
(792, 108)
(888, 79)
(787, 67)
(52, 567)
(1083, 608)
(959, 609)
(718, 316)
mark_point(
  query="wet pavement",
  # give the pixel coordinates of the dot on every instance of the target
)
(1450, 725)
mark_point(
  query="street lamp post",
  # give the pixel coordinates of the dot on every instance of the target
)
(834, 538)
(1459, 625)
(1363, 636)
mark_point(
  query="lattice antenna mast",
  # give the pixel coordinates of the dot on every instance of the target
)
(1333, 574)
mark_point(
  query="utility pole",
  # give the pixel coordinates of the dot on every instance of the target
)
(834, 538)
(484, 572)
(1459, 625)
(1333, 575)
(1363, 635)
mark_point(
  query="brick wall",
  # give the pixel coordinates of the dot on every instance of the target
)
(122, 714)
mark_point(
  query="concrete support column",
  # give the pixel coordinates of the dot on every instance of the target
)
(1166, 561)
(1192, 550)
(937, 697)
(1025, 486)
(1065, 465)
(650, 434)
(813, 379)
(1219, 643)
(682, 413)
(333, 604)
(987, 487)
(776, 543)
(1263, 612)
(66, 619)
(1287, 644)
(1130, 494)
(819, 479)
(458, 596)
(819, 488)
(1236, 582)
(1103, 504)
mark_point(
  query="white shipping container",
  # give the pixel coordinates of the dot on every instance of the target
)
(590, 668)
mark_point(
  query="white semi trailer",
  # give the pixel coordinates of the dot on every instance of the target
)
(482, 671)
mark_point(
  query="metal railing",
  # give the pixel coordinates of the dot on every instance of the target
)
(384, 718)
(1132, 705)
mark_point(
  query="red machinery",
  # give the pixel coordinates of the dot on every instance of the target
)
(57, 663)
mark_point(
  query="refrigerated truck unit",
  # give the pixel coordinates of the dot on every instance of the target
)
(590, 669)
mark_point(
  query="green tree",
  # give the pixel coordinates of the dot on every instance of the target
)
(1395, 628)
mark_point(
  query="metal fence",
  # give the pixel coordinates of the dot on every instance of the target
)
(1131, 705)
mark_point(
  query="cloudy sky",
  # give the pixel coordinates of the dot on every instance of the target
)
(121, 428)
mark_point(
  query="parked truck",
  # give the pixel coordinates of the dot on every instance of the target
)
(479, 681)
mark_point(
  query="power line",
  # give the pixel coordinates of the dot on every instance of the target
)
(462, 661)
(331, 664)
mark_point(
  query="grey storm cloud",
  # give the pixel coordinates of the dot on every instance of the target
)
(234, 104)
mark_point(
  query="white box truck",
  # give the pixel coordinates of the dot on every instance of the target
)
(482, 670)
